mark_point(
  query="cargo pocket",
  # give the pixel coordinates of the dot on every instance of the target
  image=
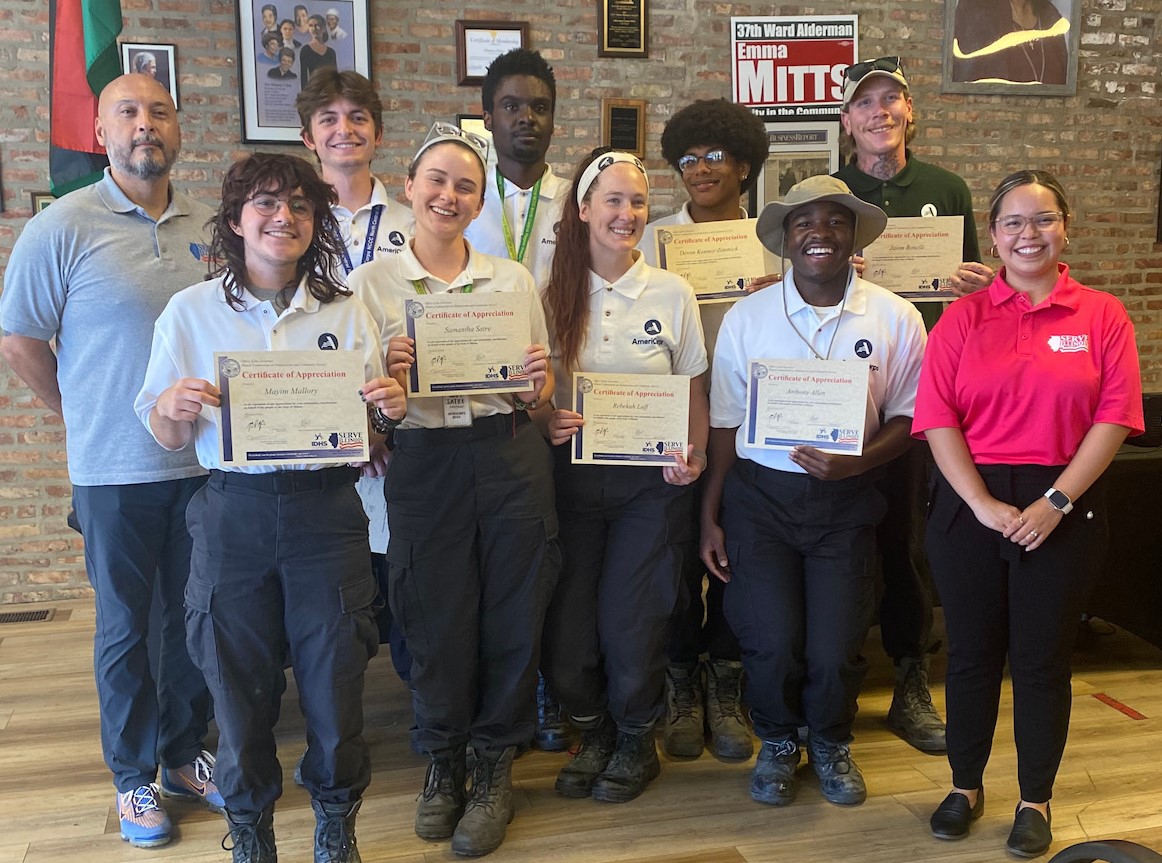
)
(360, 631)
(201, 638)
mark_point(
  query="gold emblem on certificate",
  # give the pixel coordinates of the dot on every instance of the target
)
(915, 257)
(819, 403)
(469, 344)
(631, 419)
(291, 407)
(720, 259)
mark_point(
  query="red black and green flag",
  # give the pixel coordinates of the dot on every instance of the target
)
(83, 58)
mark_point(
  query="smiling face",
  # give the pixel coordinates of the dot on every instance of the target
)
(447, 191)
(820, 238)
(521, 119)
(1032, 254)
(138, 126)
(616, 210)
(877, 118)
(273, 243)
(343, 136)
(332, 21)
(712, 186)
(268, 17)
(301, 17)
(286, 59)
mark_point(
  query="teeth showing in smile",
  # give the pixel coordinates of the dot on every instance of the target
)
(440, 211)
(286, 235)
(1029, 250)
(622, 232)
(820, 251)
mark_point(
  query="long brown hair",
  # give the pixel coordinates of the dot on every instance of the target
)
(567, 294)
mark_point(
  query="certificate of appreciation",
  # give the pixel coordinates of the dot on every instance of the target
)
(916, 257)
(631, 419)
(290, 407)
(819, 403)
(718, 258)
(469, 344)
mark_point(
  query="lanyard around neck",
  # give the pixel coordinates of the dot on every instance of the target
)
(514, 253)
(368, 241)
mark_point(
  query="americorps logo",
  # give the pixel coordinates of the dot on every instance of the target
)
(1069, 344)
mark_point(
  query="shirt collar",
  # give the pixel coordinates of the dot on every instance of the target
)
(302, 300)
(118, 202)
(855, 297)
(378, 196)
(632, 282)
(550, 183)
(684, 217)
(1066, 292)
(479, 268)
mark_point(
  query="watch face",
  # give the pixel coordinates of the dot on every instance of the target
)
(1059, 499)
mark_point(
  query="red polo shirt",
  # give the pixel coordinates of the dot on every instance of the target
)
(1026, 383)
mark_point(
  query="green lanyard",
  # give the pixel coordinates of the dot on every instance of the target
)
(422, 288)
(515, 254)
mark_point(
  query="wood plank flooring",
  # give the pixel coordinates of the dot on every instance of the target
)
(56, 800)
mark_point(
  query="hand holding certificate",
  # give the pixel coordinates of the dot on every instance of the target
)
(819, 403)
(916, 257)
(290, 407)
(720, 259)
(631, 419)
(468, 344)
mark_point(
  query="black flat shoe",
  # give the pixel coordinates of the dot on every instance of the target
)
(954, 816)
(1030, 836)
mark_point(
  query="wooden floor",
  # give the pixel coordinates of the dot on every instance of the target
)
(56, 800)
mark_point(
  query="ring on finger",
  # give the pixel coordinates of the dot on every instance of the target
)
(1033, 534)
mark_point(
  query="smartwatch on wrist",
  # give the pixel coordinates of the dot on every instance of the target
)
(1059, 500)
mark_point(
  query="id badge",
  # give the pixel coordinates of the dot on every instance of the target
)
(457, 413)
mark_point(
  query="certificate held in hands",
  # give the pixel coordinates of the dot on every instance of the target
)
(819, 403)
(631, 419)
(720, 259)
(916, 256)
(290, 407)
(469, 344)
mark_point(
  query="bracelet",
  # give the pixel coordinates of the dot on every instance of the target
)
(521, 405)
(381, 423)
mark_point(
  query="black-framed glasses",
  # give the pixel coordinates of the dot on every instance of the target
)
(712, 159)
(856, 71)
(1014, 224)
(267, 205)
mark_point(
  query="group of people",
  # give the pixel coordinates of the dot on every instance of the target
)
(532, 598)
(300, 44)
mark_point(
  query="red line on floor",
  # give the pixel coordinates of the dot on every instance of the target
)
(1118, 706)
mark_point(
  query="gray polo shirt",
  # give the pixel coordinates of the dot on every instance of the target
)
(94, 271)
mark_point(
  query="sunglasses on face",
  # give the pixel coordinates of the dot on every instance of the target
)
(857, 71)
(713, 159)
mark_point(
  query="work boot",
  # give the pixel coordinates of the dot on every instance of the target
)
(441, 802)
(729, 736)
(591, 758)
(839, 778)
(685, 733)
(773, 779)
(335, 832)
(489, 809)
(912, 715)
(253, 836)
(552, 734)
(633, 766)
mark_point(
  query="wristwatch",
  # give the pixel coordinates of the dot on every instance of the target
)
(1059, 500)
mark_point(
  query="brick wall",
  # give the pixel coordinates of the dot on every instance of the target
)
(1105, 144)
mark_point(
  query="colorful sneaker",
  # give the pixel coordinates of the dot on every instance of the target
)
(193, 781)
(144, 823)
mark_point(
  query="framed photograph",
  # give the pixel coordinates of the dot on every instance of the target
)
(623, 125)
(990, 48)
(478, 43)
(796, 151)
(40, 200)
(623, 28)
(473, 123)
(280, 45)
(157, 61)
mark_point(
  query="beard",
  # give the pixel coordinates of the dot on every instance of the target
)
(146, 165)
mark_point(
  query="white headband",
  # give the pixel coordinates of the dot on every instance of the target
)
(589, 177)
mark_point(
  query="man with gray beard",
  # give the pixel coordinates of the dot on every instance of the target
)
(93, 272)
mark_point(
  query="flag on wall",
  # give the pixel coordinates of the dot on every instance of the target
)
(83, 58)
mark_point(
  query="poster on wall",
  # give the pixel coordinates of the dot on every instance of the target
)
(281, 45)
(791, 68)
(796, 151)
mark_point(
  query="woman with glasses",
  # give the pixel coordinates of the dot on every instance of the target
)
(623, 528)
(280, 564)
(1028, 389)
(718, 149)
(472, 556)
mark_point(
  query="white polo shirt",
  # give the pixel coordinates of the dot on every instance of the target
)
(396, 225)
(198, 321)
(486, 232)
(385, 284)
(875, 327)
(645, 323)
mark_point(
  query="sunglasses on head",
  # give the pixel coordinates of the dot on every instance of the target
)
(856, 71)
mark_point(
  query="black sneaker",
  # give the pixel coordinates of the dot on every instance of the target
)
(839, 777)
(773, 779)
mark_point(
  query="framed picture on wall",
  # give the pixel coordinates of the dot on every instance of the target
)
(1012, 47)
(280, 45)
(158, 61)
(796, 151)
(40, 200)
(478, 43)
(473, 123)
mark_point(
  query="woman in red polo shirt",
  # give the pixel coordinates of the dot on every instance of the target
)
(1027, 391)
